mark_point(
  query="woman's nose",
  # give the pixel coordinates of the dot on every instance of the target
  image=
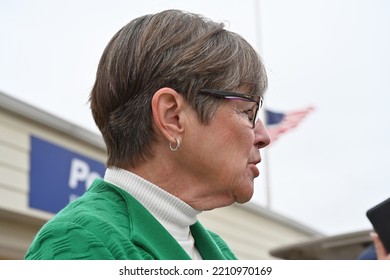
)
(262, 138)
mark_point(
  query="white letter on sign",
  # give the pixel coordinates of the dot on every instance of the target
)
(79, 171)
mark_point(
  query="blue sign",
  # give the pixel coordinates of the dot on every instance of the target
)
(58, 175)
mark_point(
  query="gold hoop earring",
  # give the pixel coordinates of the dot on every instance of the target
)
(174, 149)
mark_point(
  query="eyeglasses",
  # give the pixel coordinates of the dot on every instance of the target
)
(252, 113)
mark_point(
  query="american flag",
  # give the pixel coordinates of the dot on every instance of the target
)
(279, 123)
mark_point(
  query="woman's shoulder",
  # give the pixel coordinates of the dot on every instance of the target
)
(94, 220)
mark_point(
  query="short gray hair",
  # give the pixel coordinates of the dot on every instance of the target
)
(176, 49)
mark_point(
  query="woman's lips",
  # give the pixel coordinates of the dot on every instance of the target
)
(254, 169)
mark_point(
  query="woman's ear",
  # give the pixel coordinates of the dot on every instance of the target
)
(167, 108)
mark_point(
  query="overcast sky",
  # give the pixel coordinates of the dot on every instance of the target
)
(333, 55)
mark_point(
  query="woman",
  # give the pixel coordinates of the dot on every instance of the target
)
(176, 99)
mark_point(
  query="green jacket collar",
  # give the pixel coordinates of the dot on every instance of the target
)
(149, 234)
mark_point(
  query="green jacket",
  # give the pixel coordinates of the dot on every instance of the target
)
(108, 223)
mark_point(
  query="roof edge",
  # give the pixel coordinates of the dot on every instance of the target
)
(35, 114)
(265, 212)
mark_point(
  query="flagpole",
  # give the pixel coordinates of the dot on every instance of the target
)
(266, 174)
(267, 179)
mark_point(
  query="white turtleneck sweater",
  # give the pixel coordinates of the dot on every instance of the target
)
(174, 215)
